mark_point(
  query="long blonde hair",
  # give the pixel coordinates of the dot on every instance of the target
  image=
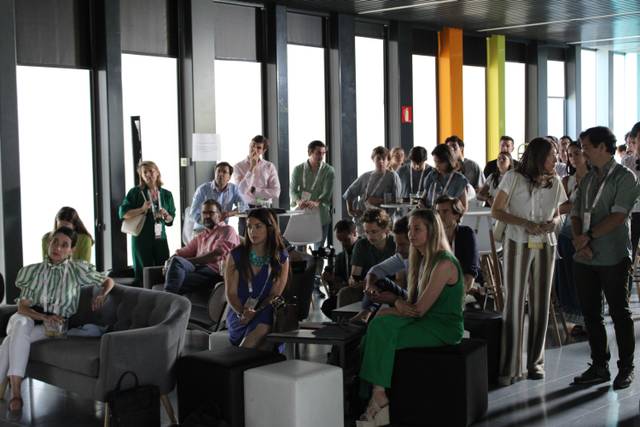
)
(420, 267)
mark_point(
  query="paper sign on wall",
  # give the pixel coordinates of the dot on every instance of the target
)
(206, 147)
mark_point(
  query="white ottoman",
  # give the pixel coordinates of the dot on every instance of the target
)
(293, 393)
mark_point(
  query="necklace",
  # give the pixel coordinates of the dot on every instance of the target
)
(258, 260)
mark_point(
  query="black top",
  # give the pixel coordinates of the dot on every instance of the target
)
(466, 250)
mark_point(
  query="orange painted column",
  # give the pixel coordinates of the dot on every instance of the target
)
(450, 83)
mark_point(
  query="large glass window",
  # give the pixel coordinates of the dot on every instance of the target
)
(474, 113)
(238, 106)
(369, 99)
(619, 98)
(56, 167)
(150, 90)
(515, 101)
(425, 115)
(631, 89)
(555, 98)
(305, 66)
(588, 112)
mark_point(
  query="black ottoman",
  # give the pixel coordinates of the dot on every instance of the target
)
(217, 378)
(487, 325)
(441, 386)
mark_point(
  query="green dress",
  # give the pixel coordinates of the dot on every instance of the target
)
(147, 250)
(441, 325)
(82, 251)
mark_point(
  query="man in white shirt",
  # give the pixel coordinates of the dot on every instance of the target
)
(257, 178)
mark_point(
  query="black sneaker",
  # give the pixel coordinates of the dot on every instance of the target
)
(624, 378)
(595, 374)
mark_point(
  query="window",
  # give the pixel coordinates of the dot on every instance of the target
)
(619, 127)
(589, 89)
(369, 99)
(631, 89)
(515, 101)
(474, 113)
(56, 167)
(238, 106)
(150, 90)
(555, 98)
(305, 66)
(425, 115)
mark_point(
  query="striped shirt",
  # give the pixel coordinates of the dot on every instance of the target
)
(56, 287)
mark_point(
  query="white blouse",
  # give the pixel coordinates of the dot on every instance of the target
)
(534, 203)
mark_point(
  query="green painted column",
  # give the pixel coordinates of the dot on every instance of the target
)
(495, 94)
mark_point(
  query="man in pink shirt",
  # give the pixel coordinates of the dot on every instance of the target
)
(197, 265)
(257, 179)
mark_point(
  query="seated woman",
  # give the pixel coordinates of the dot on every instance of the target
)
(68, 217)
(49, 293)
(490, 187)
(431, 317)
(256, 273)
(443, 180)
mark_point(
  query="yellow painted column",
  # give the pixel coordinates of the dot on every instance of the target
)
(450, 83)
(495, 94)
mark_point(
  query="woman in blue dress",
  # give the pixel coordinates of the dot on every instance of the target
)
(255, 274)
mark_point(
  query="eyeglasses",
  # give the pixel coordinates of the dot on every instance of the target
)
(210, 213)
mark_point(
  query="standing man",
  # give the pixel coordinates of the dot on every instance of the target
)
(222, 191)
(257, 178)
(600, 227)
(467, 167)
(506, 146)
(312, 186)
(197, 265)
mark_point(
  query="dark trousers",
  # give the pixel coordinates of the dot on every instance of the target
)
(184, 277)
(591, 282)
(635, 237)
(564, 283)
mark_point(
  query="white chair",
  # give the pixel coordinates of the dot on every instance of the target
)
(187, 226)
(302, 393)
(304, 229)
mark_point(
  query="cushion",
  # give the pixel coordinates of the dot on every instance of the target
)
(75, 354)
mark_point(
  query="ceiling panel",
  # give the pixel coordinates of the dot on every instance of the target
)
(556, 21)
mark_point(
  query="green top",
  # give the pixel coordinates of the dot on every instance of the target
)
(82, 251)
(134, 200)
(446, 311)
(322, 191)
(366, 255)
(56, 287)
(619, 194)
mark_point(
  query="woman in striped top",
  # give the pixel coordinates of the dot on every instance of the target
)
(49, 292)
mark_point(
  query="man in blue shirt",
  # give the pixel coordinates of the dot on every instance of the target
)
(222, 191)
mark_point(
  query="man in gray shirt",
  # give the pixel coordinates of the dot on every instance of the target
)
(466, 167)
(600, 227)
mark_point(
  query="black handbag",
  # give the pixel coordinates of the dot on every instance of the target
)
(285, 316)
(138, 406)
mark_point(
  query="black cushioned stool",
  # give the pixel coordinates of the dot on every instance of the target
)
(441, 386)
(217, 378)
(487, 325)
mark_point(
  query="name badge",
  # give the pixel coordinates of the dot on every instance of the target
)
(306, 196)
(586, 222)
(535, 242)
(158, 230)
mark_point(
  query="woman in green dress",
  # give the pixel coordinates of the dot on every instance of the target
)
(68, 217)
(430, 317)
(150, 247)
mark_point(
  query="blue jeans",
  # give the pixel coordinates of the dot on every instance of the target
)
(383, 285)
(184, 277)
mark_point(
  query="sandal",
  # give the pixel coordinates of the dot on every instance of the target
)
(374, 416)
(15, 405)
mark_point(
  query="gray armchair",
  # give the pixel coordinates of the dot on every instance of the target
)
(145, 335)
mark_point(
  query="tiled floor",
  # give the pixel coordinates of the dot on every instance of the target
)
(551, 402)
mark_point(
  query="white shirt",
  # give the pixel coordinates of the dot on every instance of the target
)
(537, 204)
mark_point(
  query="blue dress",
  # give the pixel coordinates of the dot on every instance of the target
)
(261, 290)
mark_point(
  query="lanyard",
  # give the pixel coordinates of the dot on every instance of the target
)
(346, 263)
(599, 193)
(304, 176)
(263, 286)
(411, 179)
(44, 298)
(153, 206)
(444, 189)
(367, 193)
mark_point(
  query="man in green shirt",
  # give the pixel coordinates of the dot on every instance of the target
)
(600, 227)
(312, 186)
